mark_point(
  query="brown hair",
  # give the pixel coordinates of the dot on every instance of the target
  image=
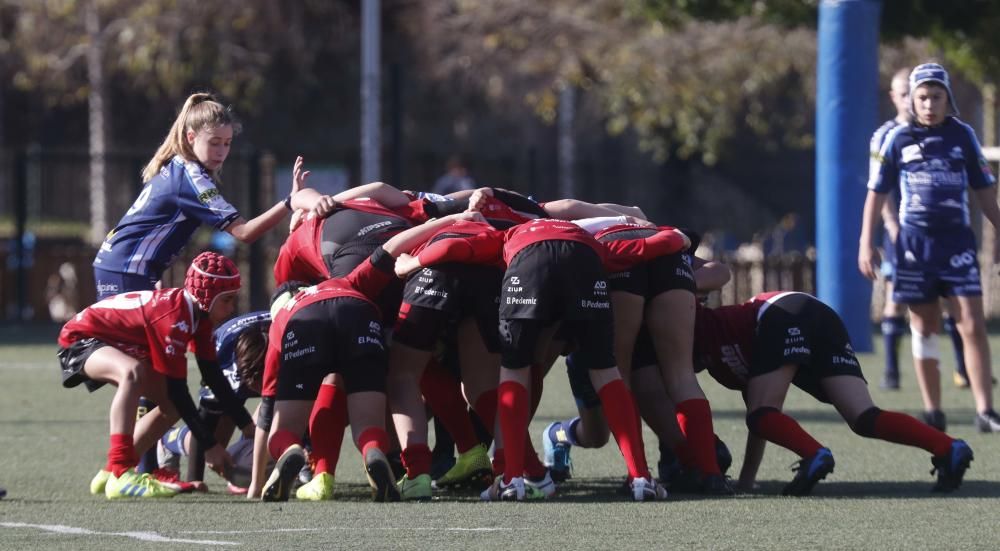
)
(249, 352)
(201, 110)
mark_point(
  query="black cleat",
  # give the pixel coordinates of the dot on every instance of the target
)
(935, 419)
(286, 471)
(809, 471)
(988, 421)
(380, 476)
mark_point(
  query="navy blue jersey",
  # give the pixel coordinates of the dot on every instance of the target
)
(225, 337)
(162, 219)
(932, 167)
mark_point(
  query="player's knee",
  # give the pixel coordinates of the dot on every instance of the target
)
(754, 418)
(925, 347)
(864, 424)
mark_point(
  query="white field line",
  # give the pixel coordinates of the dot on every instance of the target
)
(344, 528)
(143, 536)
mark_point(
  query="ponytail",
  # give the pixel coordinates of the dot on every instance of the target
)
(201, 110)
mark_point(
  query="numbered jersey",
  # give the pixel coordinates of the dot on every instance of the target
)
(162, 219)
(157, 326)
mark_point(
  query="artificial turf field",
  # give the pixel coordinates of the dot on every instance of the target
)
(53, 440)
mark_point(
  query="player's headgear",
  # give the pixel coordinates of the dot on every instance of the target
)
(931, 72)
(210, 276)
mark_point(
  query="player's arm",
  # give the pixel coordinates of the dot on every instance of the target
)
(709, 275)
(406, 241)
(258, 472)
(625, 253)
(868, 257)
(212, 375)
(485, 248)
(752, 456)
(571, 209)
(215, 455)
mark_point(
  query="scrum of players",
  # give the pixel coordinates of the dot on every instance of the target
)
(391, 304)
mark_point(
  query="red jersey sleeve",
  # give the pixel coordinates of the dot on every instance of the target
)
(372, 275)
(413, 211)
(485, 248)
(622, 255)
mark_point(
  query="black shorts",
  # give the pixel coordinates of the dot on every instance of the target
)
(439, 296)
(340, 335)
(656, 276)
(555, 280)
(593, 342)
(799, 329)
(350, 255)
(72, 360)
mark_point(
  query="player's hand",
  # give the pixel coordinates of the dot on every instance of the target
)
(298, 217)
(299, 175)
(639, 222)
(406, 265)
(470, 216)
(687, 240)
(479, 197)
(218, 459)
(326, 205)
(869, 261)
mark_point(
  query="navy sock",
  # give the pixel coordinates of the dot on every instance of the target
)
(564, 432)
(892, 329)
(956, 341)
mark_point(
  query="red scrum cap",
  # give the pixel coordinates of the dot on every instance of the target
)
(210, 276)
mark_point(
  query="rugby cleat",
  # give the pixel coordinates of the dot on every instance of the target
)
(809, 471)
(644, 489)
(418, 489)
(99, 481)
(172, 479)
(988, 421)
(951, 468)
(515, 490)
(716, 485)
(380, 476)
(473, 468)
(286, 470)
(557, 457)
(320, 488)
(132, 484)
(935, 419)
(545, 485)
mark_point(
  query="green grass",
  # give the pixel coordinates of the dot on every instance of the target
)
(54, 440)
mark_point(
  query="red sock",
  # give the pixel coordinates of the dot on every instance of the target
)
(619, 410)
(417, 460)
(486, 409)
(774, 426)
(121, 454)
(280, 441)
(373, 436)
(443, 393)
(533, 466)
(695, 418)
(898, 428)
(326, 427)
(512, 407)
(498, 462)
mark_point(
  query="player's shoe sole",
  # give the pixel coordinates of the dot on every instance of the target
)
(286, 469)
(380, 476)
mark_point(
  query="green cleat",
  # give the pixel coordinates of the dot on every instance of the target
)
(100, 480)
(320, 488)
(472, 469)
(133, 484)
(418, 489)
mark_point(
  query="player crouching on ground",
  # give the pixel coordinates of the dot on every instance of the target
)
(137, 342)
(332, 327)
(778, 339)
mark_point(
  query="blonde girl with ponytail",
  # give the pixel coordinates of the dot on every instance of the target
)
(179, 194)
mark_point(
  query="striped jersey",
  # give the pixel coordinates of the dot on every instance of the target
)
(161, 221)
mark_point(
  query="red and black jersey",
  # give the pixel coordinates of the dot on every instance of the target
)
(493, 246)
(158, 326)
(723, 339)
(364, 283)
(413, 212)
(624, 231)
